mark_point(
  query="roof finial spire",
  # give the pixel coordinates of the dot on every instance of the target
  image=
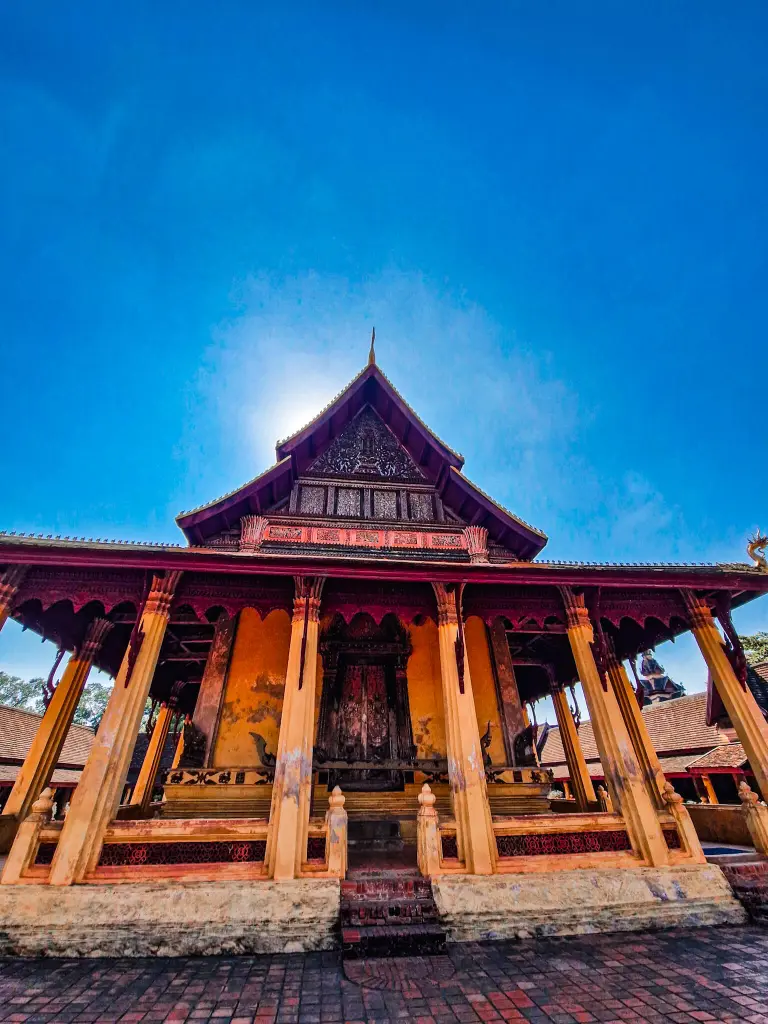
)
(372, 352)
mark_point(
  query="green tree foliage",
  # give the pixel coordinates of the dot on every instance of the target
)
(28, 694)
(22, 693)
(755, 647)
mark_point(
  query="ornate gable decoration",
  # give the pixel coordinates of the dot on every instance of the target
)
(366, 448)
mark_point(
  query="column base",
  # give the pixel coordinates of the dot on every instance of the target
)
(170, 919)
(542, 904)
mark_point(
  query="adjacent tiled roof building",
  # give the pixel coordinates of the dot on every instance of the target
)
(17, 730)
(678, 730)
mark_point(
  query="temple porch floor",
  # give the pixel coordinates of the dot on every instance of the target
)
(674, 977)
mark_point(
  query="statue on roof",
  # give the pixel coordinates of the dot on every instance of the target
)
(656, 684)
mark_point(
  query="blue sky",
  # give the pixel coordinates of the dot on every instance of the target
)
(554, 213)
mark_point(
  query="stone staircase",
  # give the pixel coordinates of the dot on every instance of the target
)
(390, 916)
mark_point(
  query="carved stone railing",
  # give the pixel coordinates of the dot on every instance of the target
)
(261, 776)
(561, 840)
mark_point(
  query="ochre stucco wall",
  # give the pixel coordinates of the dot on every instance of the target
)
(253, 697)
(425, 693)
(484, 686)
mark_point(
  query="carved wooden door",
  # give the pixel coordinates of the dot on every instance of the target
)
(364, 714)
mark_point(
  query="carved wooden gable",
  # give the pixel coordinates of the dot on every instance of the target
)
(367, 448)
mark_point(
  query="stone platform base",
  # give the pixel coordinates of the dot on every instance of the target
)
(169, 919)
(533, 905)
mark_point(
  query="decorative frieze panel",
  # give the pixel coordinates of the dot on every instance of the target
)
(559, 843)
(421, 507)
(348, 501)
(137, 854)
(219, 777)
(385, 505)
(312, 501)
(81, 586)
(362, 537)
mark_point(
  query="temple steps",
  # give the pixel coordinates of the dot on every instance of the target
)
(390, 916)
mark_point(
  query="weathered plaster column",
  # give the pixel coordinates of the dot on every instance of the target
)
(292, 788)
(208, 706)
(626, 785)
(513, 715)
(10, 581)
(581, 782)
(97, 796)
(474, 825)
(36, 772)
(145, 783)
(645, 753)
(743, 711)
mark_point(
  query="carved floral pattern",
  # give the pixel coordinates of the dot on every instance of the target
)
(367, 447)
(135, 854)
(548, 843)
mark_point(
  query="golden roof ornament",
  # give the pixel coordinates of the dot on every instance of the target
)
(372, 351)
(756, 546)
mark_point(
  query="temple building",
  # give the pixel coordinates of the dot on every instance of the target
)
(342, 651)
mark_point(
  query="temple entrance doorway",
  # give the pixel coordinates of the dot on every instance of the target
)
(364, 735)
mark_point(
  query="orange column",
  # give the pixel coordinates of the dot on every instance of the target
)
(292, 788)
(513, 715)
(638, 731)
(97, 796)
(145, 783)
(35, 773)
(745, 715)
(466, 774)
(581, 782)
(208, 705)
(626, 785)
(10, 581)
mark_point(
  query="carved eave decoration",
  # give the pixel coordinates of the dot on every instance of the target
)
(367, 434)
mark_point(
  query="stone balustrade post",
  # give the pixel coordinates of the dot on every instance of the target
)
(688, 837)
(428, 843)
(756, 814)
(336, 822)
(24, 850)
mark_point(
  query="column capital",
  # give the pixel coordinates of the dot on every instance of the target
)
(10, 581)
(576, 612)
(95, 635)
(307, 596)
(699, 613)
(161, 594)
(252, 533)
(477, 543)
(448, 596)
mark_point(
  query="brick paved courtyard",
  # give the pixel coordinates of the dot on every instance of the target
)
(681, 976)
